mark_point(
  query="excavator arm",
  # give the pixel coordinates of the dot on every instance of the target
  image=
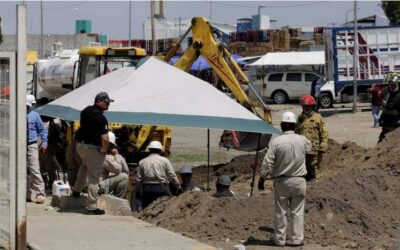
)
(218, 57)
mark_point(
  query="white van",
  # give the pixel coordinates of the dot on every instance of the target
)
(282, 86)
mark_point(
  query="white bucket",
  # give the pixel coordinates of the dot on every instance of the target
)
(60, 188)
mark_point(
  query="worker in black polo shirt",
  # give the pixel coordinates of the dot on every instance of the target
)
(92, 146)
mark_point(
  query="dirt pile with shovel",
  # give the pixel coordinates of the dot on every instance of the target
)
(354, 204)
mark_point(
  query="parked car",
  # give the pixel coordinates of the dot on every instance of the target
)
(284, 86)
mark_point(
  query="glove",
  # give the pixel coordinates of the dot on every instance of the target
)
(261, 184)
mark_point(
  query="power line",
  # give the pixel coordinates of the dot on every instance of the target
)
(59, 8)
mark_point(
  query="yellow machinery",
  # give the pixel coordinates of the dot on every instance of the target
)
(221, 61)
(97, 61)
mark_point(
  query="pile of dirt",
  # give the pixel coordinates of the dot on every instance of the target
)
(340, 157)
(354, 204)
(240, 169)
(385, 155)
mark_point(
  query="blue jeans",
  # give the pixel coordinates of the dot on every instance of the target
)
(375, 113)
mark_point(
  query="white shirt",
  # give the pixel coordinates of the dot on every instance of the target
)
(286, 156)
(156, 168)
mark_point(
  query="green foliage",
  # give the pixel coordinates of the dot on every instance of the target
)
(392, 11)
(187, 158)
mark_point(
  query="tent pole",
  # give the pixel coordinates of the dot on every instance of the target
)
(208, 159)
(255, 165)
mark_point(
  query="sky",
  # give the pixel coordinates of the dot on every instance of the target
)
(112, 17)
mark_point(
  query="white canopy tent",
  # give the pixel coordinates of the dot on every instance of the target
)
(157, 93)
(291, 58)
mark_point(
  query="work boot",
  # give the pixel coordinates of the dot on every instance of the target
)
(40, 199)
(96, 211)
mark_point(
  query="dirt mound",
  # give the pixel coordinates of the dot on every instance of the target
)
(240, 169)
(385, 155)
(354, 204)
(340, 156)
(357, 207)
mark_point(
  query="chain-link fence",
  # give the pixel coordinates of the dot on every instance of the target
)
(5, 208)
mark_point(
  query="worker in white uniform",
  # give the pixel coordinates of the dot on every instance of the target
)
(155, 176)
(285, 163)
(114, 179)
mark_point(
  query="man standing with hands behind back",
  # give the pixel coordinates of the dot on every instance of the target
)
(92, 146)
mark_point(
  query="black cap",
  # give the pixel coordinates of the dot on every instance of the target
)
(102, 96)
(224, 180)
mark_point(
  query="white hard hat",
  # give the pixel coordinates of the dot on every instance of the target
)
(289, 117)
(186, 169)
(30, 99)
(155, 145)
(111, 138)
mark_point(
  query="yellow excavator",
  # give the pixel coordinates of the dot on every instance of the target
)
(204, 43)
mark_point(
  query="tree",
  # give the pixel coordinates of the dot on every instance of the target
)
(392, 11)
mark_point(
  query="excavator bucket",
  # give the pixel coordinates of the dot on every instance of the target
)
(244, 141)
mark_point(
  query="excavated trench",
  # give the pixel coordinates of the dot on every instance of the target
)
(354, 204)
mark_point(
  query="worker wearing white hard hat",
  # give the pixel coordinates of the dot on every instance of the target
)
(30, 100)
(285, 163)
(155, 176)
(115, 175)
(36, 129)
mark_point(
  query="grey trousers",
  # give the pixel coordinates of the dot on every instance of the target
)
(115, 185)
(35, 181)
(90, 171)
(290, 195)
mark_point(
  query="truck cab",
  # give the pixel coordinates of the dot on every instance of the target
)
(97, 61)
(69, 69)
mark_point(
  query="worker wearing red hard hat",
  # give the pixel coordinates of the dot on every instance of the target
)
(312, 126)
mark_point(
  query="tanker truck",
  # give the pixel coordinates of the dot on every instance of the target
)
(70, 68)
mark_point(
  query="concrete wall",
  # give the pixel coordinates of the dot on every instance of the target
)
(68, 42)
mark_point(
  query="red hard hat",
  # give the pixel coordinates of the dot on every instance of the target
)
(307, 100)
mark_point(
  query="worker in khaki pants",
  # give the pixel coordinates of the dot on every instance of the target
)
(285, 162)
(312, 126)
(35, 127)
(92, 146)
(115, 175)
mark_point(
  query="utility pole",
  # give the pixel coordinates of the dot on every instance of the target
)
(130, 21)
(153, 32)
(41, 30)
(210, 17)
(355, 61)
